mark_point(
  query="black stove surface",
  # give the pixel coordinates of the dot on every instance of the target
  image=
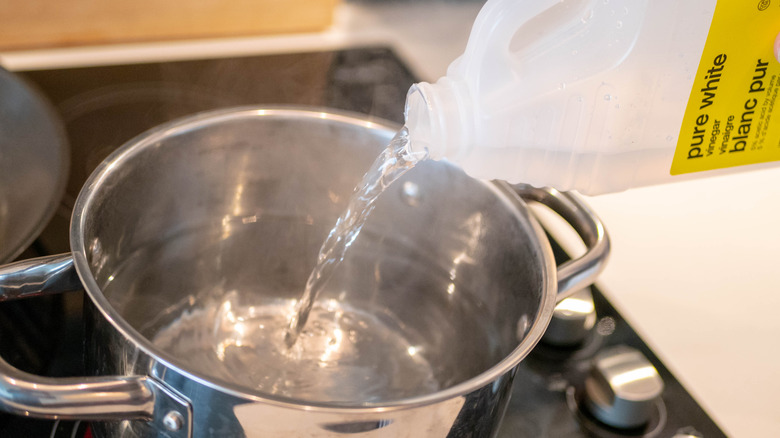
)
(103, 107)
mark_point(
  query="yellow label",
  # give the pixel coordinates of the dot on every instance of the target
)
(729, 118)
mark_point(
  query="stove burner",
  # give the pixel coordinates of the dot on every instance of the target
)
(104, 107)
(91, 119)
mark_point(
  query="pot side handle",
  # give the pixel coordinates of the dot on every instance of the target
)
(581, 272)
(39, 276)
(85, 398)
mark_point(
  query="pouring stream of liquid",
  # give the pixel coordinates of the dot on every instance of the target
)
(393, 162)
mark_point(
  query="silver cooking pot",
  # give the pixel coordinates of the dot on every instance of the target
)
(236, 203)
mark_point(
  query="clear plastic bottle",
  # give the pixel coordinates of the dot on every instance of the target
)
(593, 95)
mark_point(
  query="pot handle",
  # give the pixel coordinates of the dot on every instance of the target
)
(580, 272)
(39, 276)
(85, 398)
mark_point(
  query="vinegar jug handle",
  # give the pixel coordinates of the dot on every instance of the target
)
(536, 46)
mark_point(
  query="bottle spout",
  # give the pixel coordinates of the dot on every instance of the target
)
(418, 120)
(435, 119)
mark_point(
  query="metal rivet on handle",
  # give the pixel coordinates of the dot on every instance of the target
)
(173, 421)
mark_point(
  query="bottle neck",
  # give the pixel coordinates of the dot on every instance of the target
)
(440, 119)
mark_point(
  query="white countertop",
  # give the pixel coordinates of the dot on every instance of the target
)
(694, 268)
(694, 265)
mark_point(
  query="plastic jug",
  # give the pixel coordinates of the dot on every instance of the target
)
(603, 95)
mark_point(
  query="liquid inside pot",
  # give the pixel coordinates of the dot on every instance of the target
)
(342, 355)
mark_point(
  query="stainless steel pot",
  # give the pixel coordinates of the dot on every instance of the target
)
(237, 202)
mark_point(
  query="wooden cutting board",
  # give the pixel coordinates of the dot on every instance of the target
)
(51, 23)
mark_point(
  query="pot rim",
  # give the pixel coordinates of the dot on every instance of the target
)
(132, 147)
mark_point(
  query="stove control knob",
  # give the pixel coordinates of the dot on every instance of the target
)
(572, 320)
(622, 388)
